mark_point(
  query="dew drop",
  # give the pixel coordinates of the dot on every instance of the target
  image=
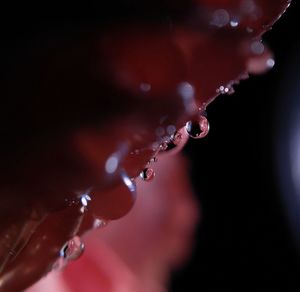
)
(153, 159)
(197, 129)
(175, 143)
(147, 174)
(73, 249)
(228, 89)
(99, 223)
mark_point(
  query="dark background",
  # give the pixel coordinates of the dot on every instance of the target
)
(245, 236)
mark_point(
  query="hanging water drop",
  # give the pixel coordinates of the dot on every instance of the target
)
(73, 249)
(147, 174)
(197, 129)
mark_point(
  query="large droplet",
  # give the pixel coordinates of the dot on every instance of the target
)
(147, 174)
(73, 249)
(198, 129)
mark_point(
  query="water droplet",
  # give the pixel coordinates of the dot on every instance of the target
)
(99, 223)
(73, 249)
(153, 159)
(228, 89)
(198, 129)
(147, 174)
(175, 143)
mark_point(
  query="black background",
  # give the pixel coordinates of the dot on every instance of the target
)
(244, 240)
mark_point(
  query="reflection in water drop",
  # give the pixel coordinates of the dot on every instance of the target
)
(198, 129)
(73, 249)
(153, 159)
(147, 174)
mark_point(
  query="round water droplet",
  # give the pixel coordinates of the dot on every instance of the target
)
(147, 174)
(73, 249)
(197, 129)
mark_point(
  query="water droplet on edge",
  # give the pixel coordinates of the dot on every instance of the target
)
(147, 174)
(197, 129)
(73, 249)
(175, 143)
(99, 223)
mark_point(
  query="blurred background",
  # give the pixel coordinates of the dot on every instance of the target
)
(248, 232)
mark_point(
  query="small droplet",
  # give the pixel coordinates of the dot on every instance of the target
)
(175, 143)
(73, 249)
(153, 159)
(198, 129)
(147, 174)
(225, 89)
(99, 223)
